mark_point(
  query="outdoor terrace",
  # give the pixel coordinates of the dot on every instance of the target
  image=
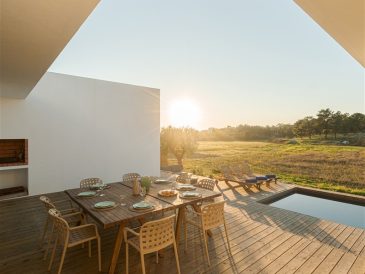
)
(263, 238)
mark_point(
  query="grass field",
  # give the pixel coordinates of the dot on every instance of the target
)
(331, 167)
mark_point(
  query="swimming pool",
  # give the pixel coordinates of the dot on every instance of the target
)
(323, 208)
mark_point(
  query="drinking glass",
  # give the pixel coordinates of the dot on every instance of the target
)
(122, 198)
(143, 192)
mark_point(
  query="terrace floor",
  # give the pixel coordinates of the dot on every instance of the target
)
(264, 239)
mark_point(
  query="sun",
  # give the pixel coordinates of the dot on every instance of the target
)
(184, 113)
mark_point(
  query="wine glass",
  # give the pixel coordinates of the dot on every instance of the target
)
(122, 197)
(143, 192)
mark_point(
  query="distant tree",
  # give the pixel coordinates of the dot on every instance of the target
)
(164, 151)
(324, 119)
(357, 122)
(336, 122)
(305, 127)
(346, 125)
(179, 141)
(283, 131)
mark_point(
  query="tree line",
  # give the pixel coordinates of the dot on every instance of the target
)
(324, 123)
(180, 142)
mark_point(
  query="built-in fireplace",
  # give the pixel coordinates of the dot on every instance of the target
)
(13, 152)
(13, 168)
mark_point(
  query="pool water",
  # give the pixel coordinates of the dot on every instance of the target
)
(339, 212)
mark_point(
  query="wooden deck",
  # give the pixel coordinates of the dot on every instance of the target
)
(264, 239)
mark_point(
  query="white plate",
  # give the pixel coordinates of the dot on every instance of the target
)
(190, 195)
(87, 194)
(185, 187)
(105, 204)
(142, 205)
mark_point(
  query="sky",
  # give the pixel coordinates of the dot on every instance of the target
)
(259, 62)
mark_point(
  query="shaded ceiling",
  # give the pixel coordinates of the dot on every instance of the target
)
(344, 20)
(33, 33)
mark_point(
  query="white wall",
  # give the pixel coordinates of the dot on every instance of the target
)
(80, 127)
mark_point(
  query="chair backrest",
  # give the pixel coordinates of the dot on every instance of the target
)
(238, 171)
(207, 184)
(47, 202)
(156, 235)
(85, 183)
(60, 225)
(246, 169)
(182, 178)
(130, 177)
(227, 173)
(213, 215)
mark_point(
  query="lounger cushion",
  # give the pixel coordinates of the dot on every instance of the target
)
(261, 178)
(251, 180)
(270, 176)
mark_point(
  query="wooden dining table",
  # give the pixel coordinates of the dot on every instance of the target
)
(122, 215)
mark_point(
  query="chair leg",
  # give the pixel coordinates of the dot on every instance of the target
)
(62, 258)
(89, 244)
(142, 263)
(206, 245)
(49, 243)
(126, 257)
(185, 233)
(52, 256)
(156, 257)
(229, 245)
(99, 254)
(44, 231)
(177, 258)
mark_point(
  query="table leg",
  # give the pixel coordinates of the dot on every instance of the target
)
(198, 209)
(117, 246)
(180, 219)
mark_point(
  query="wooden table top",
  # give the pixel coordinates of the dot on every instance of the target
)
(176, 200)
(112, 217)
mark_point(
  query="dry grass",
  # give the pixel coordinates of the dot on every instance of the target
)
(338, 168)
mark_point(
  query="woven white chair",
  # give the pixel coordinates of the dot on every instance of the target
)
(183, 178)
(130, 177)
(211, 216)
(152, 237)
(207, 184)
(72, 216)
(48, 204)
(73, 219)
(67, 237)
(86, 183)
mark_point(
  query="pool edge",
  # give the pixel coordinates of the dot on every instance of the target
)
(325, 194)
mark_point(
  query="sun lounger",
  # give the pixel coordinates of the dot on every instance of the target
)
(231, 175)
(268, 178)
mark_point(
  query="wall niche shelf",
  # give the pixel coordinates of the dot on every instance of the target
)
(13, 167)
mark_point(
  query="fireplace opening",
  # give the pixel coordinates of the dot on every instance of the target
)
(13, 152)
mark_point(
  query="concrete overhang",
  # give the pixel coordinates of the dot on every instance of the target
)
(33, 33)
(344, 20)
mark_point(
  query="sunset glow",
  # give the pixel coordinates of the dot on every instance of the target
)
(184, 113)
